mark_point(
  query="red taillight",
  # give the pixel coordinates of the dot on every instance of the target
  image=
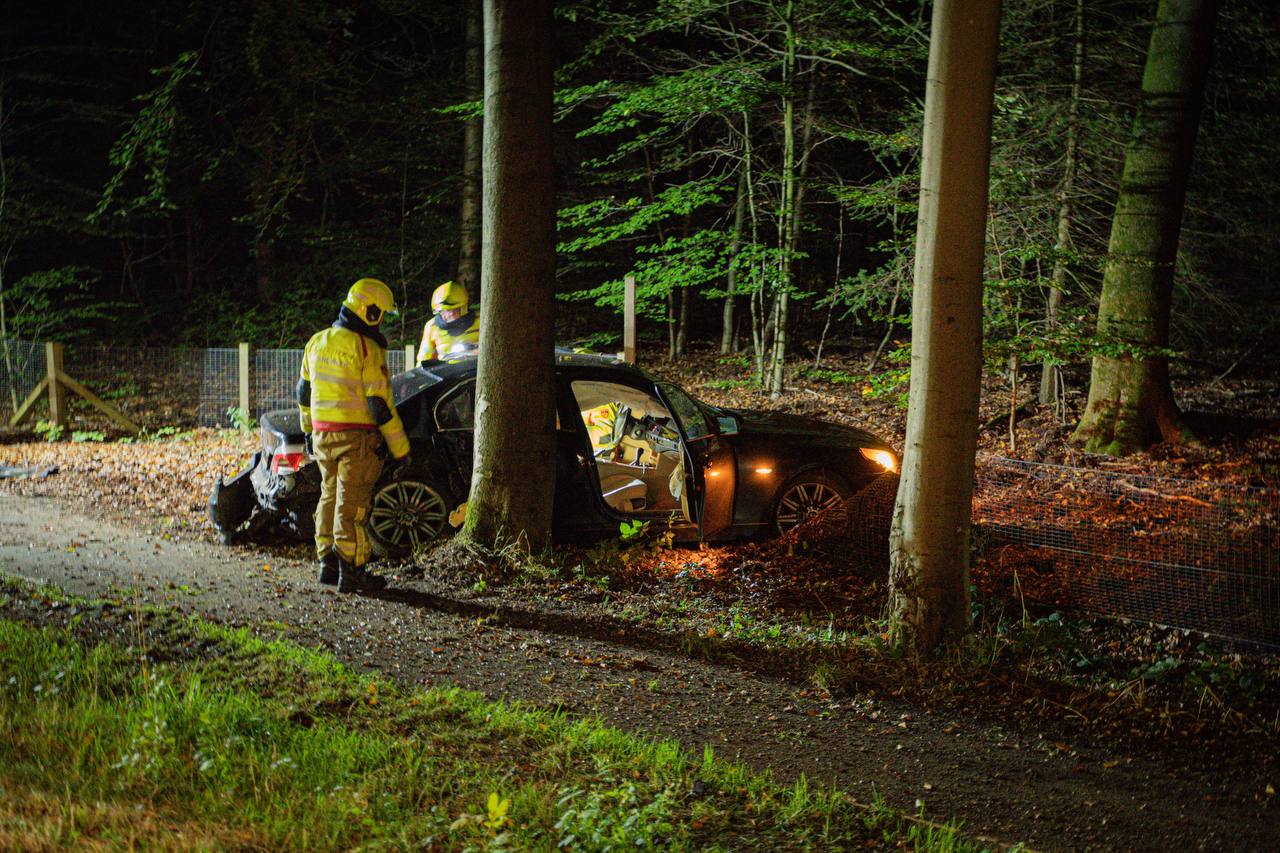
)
(287, 463)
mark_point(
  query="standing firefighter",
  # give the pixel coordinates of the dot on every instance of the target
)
(345, 398)
(452, 325)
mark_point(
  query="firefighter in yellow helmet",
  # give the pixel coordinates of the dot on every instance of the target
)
(452, 325)
(344, 396)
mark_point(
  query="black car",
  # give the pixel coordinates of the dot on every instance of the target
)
(629, 447)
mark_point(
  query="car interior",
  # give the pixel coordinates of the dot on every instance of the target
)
(638, 456)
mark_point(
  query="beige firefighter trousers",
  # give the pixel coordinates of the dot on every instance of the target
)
(349, 466)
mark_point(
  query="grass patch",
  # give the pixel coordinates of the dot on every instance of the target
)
(174, 734)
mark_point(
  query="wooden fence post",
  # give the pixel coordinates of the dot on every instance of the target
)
(629, 319)
(57, 394)
(246, 376)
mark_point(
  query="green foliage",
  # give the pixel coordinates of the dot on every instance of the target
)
(240, 419)
(164, 433)
(58, 304)
(49, 431)
(79, 436)
(620, 818)
(892, 383)
(147, 147)
(293, 751)
(1208, 670)
(633, 530)
(125, 388)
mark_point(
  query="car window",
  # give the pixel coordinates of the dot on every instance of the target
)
(600, 404)
(692, 416)
(457, 408)
(411, 382)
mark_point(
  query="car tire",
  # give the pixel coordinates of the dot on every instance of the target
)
(804, 496)
(407, 514)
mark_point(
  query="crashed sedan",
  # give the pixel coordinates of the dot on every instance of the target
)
(629, 447)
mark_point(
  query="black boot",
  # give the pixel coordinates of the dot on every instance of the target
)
(353, 578)
(329, 569)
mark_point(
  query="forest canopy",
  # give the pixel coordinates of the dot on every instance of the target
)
(204, 173)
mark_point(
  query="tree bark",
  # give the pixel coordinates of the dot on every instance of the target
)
(472, 136)
(929, 541)
(786, 206)
(1131, 403)
(1051, 389)
(728, 334)
(513, 475)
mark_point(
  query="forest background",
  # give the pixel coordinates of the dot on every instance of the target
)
(206, 173)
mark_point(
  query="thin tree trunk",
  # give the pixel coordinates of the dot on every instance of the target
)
(671, 326)
(756, 302)
(682, 328)
(472, 145)
(791, 242)
(728, 333)
(929, 541)
(513, 475)
(893, 303)
(1131, 403)
(4, 254)
(1051, 389)
(888, 332)
(786, 203)
(831, 304)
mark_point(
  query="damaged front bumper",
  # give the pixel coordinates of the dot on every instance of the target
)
(233, 501)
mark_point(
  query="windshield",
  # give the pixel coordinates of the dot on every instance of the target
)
(405, 385)
(695, 417)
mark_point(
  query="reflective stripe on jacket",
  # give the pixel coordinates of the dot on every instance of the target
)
(437, 341)
(347, 372)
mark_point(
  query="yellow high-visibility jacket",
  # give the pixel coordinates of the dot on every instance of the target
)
(437, 339)
(350, 387)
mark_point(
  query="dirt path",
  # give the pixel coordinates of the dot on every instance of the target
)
(999, 783)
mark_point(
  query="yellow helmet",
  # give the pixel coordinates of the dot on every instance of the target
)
(371, 300)
(450, 297)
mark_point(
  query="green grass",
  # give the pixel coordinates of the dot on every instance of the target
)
(190, 736)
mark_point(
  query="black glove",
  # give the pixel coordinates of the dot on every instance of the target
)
(309, 444)
(401, 466)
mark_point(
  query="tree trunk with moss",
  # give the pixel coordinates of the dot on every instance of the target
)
(929, 540)
(1131, 403)
(513, 475)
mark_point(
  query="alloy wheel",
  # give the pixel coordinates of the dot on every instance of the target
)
(803, 501)
(406, 514)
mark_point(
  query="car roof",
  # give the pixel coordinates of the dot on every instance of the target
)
(464, 366)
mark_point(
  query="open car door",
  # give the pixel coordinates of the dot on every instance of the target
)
(710, 464)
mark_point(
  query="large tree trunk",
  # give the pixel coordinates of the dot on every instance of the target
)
(472, 136)
(1131, 403)
(929, 542)
(513, 476)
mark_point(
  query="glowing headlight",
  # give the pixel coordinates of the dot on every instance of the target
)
(884, 458)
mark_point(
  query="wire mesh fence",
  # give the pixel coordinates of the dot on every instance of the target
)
(219, 387)
(276, 374)
(152, 386)
(22, 366)
(1188, 554)
(160, 386)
